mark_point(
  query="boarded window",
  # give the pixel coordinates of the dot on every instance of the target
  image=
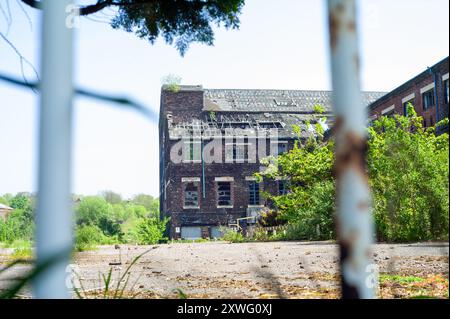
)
(428, 99)
(224, 194)
(191, 195)
(253, 196)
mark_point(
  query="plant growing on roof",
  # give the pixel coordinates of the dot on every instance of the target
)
(319, 109)
(212, 116)
(172, 82)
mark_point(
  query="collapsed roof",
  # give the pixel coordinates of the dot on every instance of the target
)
(237, 112)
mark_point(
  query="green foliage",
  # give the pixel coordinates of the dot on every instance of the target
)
(111, 197)
(310, 203)
(400, 279)
(20, 223)
(318, 109)
(408, 173)
(147, 231)
(232, 236)
(22, 249)
(172, 82)
(409, 176)
(178, 22)
(212, 116)
(99, 220)
(150, 203)
(89, 236)
(6, 199)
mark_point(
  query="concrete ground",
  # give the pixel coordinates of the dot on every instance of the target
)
(246, 270)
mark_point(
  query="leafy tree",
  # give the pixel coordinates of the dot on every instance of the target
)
(308, 206)
(111, 197)
(409, 175)
(408, 170)
(178, 22)
(92, 209)
(20, 201)
(19, 225)
(6, 199)
(87, 237)
(150, 203)
(147, 231)
(98, 220)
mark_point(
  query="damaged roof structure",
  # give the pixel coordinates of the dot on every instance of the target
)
(227, 110)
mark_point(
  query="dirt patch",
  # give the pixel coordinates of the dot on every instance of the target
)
(254, 270)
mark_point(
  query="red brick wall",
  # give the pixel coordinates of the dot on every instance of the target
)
(413, 86)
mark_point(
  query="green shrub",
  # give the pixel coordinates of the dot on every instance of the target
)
(145, 231)
(408, 171)
(19, 225)
(233, 236)
(88, 237)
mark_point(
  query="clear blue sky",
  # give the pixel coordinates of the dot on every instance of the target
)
(281, 45)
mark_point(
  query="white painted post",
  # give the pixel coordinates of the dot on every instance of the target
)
(354, 219)
(54, 213)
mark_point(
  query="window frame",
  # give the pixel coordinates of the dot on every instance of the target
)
(220, 183)
(254, 195)
(405, 104)
(428, 100)
(445, 86)
(283, 182)
(233, 149)
(191, 151)
(196, 184)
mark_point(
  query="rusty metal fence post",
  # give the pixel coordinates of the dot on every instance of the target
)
(354, 219)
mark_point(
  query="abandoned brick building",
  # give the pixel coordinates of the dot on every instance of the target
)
(428, 92)
(211, 144)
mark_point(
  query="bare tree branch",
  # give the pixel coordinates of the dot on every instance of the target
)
(19, 2)
(23, 60)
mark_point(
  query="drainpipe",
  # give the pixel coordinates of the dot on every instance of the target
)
(353, 218)
(203, 171)
(436, 96)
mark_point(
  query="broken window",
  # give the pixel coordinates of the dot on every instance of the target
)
(270, 125)
(191, 195)
(224, 194)
(253, 197)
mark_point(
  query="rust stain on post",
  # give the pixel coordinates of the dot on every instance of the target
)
(353, 218)
(334, 19)
(352, 153)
